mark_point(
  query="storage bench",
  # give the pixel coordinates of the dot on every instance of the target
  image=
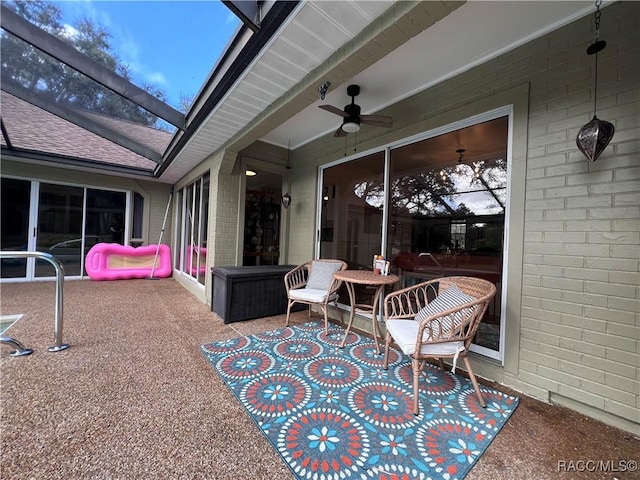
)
(243, 293)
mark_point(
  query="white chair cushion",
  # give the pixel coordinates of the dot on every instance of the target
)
(312, 295)
(321, 274)
(405, 333)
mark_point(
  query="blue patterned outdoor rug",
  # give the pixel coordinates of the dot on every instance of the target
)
(335, 413)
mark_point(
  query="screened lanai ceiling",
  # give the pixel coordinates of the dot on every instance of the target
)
(56, 100)
(62, 104)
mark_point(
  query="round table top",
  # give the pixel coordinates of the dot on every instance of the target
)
(366, 277)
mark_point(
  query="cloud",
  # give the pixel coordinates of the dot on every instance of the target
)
(156, 78)
(70, 31)
(231, 18)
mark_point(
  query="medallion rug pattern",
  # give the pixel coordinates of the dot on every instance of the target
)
(335, 413)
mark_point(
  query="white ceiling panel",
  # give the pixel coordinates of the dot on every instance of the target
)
(286, 66)
(468, 36)
(295, 52)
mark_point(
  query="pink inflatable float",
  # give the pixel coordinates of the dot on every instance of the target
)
(112, 261)
(192, 253)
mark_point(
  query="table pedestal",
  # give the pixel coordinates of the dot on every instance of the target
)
(365, 277)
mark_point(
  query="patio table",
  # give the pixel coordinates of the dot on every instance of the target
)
(365, 277)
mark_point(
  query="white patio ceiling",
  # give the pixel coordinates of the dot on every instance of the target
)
(470, 34)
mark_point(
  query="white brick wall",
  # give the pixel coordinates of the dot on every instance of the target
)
(581, 299)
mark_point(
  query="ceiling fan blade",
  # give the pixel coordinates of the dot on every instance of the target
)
(377, 120)
(332, 109)
(340, 132)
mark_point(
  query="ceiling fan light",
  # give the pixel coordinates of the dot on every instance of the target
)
(351, 127)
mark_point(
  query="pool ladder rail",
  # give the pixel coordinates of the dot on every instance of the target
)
(20, 349)
(58, 346)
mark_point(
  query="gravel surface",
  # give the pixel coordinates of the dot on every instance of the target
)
(133, 397)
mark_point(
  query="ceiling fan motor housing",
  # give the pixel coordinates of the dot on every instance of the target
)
(351, 122)
(351, 118)
(352, 110)
(353, 90)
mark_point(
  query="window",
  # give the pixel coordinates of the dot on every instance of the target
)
(192, 220)
(441, 211)
(15, 203)
(351, 216)
(63, 220)
(138, 215)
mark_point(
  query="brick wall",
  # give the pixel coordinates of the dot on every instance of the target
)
(575, 335)
(579, 322)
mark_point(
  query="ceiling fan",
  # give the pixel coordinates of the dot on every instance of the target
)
(352, 117)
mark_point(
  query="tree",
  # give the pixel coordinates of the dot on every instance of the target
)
(40, 73)
(185, 102)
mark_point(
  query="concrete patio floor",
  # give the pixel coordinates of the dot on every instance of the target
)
(133, 397)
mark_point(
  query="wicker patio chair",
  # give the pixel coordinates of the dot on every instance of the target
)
(312, 283)
(437, 319)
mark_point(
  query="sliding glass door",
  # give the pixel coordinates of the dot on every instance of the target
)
(447, 203)
(63, 220)
(192, 221)
(351, 215)
(15, 201)
(59, 229)
(65, 212)
(434, 207)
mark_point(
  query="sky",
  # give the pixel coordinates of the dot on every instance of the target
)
(171, 44)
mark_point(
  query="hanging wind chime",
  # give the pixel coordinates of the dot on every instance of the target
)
(594, 137)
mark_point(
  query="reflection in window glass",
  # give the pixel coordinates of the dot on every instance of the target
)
(105, 220)
(204, 225)
(446, 199)
(177, 262)
(351, 219)
(138, 212)
(193, 219)
(60, 228)
(447, 210)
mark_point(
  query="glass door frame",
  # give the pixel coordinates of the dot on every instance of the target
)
(191, 231)
(32, 235)
(493, 114)
(248, 163)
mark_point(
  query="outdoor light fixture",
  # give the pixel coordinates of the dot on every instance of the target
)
(351, 126)
(286, 200)
(250, 173)
(460, 165)
(463, 169)
(594, 137)
(323, 89)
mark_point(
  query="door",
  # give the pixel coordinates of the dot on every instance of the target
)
(15, 202)
(59, 230)
(262, 218)
(63, 220)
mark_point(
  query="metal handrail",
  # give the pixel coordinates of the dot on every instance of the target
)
(57, 265)
(20, 349)
(427, 254)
